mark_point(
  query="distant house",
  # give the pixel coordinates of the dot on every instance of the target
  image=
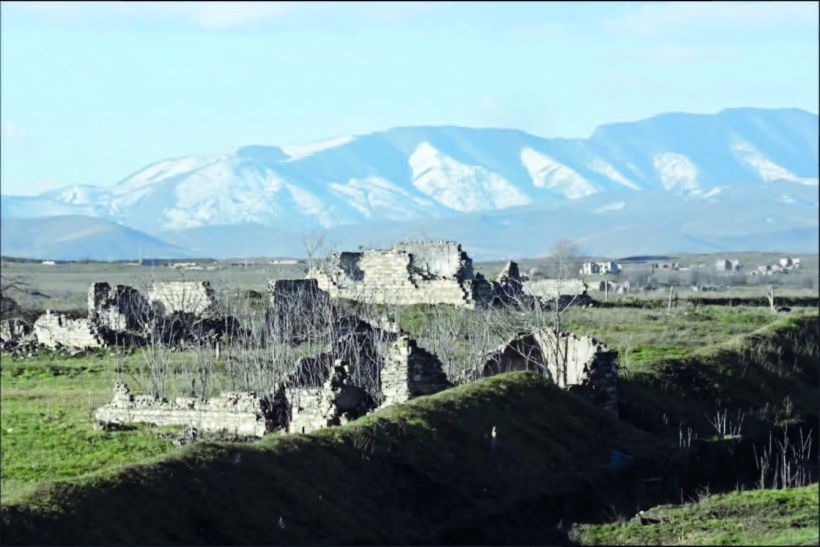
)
(48, 262)
(790, 263)
(727, 265)
(674, 266)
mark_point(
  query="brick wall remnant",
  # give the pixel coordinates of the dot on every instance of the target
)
(193, 297)
(239, 413)
(580, 364)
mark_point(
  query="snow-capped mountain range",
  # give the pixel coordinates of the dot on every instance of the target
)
(438, 175)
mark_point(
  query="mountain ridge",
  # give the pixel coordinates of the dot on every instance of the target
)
(413, 175)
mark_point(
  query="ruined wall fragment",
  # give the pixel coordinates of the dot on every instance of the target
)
(120, 308)
(410, 371)
(408, 273)
(580, 364)
(56, 330)
(192, 297)
(238, 413)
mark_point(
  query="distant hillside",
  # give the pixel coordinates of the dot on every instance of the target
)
(72, 237)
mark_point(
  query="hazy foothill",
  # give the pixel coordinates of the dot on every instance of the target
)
(443, 322)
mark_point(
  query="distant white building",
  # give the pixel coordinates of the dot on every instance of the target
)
(790, 263)
(727, 265)
(48, 262)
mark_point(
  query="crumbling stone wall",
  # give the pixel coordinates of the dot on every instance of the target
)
(580, 364)
(192, 297)
(410, 371)
(549, 288)
(55, 330)
(408, 273)
(238, 413)
(120, 308)
(509, 287)
(337, 401)
(440, 259)
(13, 325)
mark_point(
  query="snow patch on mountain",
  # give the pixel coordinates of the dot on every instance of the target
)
(164, 170)
(765, 168)
(460, 186)
(299, 151)
(76, 194)
(677, 172)
(600, 166)
(377, 197)
(545, 172)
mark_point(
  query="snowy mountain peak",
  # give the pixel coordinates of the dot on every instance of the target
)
(418, 174)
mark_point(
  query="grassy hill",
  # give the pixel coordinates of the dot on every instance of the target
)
(758, 517)
(423, 472)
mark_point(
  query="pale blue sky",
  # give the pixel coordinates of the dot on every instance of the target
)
(92, 92)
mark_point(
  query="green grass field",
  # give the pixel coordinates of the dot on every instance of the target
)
(427, 471)
(756, 517)
(675, 367)
(46, 430)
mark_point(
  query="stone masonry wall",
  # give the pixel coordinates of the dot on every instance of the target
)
(548, 288)
(193, 297)
(238, 413)
(578, 363)
(120, 308)
(54, 330)
(410, 371)
(408, 273)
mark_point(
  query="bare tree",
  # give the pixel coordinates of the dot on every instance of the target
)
(313, 244)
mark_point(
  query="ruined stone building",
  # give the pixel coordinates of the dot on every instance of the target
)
(191, 297)
(407, 273)
(580, 364)
(366, 369)
(120, 315)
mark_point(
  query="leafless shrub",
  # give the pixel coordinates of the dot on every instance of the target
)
(726, 427)
(783, 463)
